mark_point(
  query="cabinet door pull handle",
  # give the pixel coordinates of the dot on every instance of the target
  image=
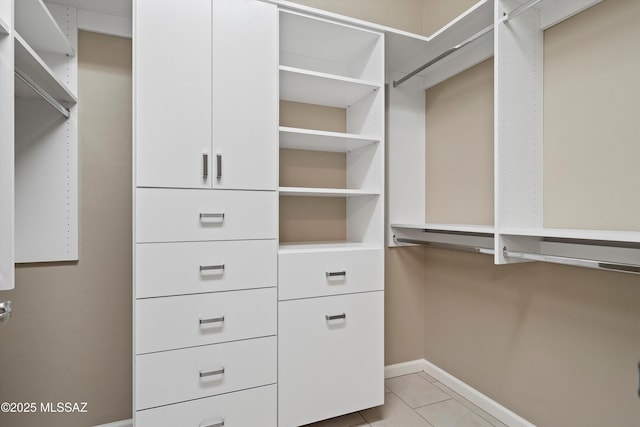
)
(218, 423)
(212, 320)
(211, 215)
(204, 374)
(205, 165)
(335, 316)
(219, 164)
(211, 267)
(336, 273)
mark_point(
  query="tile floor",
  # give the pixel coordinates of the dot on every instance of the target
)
(417, 400)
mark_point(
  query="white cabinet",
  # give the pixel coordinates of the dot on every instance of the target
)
(207, 115)
(205, 270)
(330, 358)
(330, 324)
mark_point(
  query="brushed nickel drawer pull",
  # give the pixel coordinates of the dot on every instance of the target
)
(336, 273)
(211, 267)
(212, 320)
(335, 316)
(205, 166)
(204, 374)
(219, 164)
(211, 215)
(218, 423)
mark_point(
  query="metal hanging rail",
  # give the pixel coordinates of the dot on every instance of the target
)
(43, 93)
(452, 246)
(520, 9)
(577, 262)
(443, 55)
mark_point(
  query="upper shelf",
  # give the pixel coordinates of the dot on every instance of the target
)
(448, 228)
(30, 62)
(315, 247)
(574, 234)
(322, 89)
(317, 140)
(324, 192)
(324, 46)
(39, 29)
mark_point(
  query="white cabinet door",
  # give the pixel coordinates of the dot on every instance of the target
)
(245, 95)
(330, 356)
(172, 74)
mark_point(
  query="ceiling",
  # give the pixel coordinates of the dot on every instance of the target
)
(109, 7)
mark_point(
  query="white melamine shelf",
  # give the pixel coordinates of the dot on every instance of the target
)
(456, 228)
(38, 27)
(324, 192)
(30, 62)
(4, 27)
(305, 37)
(334, 246)
(562, 233)
(311, 87)
(317, 140)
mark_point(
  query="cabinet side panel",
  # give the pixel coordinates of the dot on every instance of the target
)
(6, 152)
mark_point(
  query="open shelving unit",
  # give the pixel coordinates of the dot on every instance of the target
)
(512, 32)
(46, 132)
(334, 65)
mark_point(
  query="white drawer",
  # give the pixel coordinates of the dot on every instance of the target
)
(195, 267)
(311, 274)
(329, 367)
(254, 407)
(192, 373)
(169, 215)
(191, 320)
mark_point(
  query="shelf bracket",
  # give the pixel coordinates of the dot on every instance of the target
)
(43, 93)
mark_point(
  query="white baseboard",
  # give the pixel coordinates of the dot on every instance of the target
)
(124, 423)
(485, 403)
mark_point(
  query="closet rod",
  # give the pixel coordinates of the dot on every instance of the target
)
(443, 55)
(520, 9)
(40, 91)
(578, 262)
(439, 245)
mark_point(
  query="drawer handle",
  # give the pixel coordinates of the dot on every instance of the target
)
(335, 316)
(211, 267)
(204, 374)
(211, 215)
(205, 166)
(217, 423)
(336, 273)
(219, 165)
(212, 320)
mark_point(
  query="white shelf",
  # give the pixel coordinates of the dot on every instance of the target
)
(30, 62)
(317, 44)
(323, 192)
(560, 233)
(456, 228)
(317, 140)
(4, 27)
(312, 87)
(333, 246)
(38, 27)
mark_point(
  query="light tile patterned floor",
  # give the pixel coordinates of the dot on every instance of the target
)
(417, 400)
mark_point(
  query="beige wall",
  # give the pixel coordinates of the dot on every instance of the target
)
(70, 337)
